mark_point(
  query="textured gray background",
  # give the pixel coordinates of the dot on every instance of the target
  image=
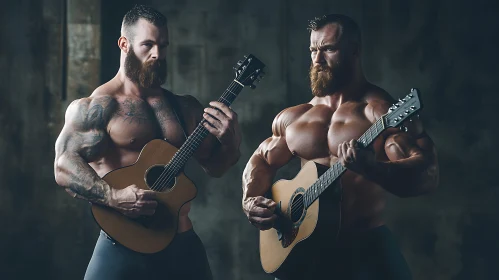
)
(448, 49)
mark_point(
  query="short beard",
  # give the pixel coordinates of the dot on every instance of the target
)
(147, 75)
(331, 80)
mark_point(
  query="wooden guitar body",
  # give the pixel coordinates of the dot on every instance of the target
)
(146, 235)
(284, 249)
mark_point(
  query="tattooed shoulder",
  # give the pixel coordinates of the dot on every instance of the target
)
(93, 112)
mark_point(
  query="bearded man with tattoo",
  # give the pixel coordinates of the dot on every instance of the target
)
(325, 130)
(108, 129)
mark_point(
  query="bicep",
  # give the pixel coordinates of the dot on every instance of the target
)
(403, 145)
(263, 165)
(274, 151)
(79, 136)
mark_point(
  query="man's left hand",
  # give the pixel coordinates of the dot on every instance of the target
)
(222, 122)
(355, 158)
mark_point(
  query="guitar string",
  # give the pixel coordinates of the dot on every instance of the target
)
(376, 125)
(164, 183)
(167, 175)
(337, 167)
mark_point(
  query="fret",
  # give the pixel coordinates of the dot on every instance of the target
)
(336, 170)
(370, 139)
(227, 102)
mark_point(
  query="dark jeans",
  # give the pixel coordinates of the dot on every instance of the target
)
(370, 255)
(184, 258)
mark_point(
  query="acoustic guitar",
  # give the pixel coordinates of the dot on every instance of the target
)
(304, 225)
(159, 168)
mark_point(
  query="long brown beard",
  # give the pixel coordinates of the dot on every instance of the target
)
(148, 75)
(330, 80)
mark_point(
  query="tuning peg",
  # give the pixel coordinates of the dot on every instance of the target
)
(252, 86)
(245, 56)
(403, 128)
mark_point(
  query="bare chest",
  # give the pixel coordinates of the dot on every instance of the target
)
(318, 132)
(137, 121)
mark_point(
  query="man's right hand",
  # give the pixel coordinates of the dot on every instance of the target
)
(133, 202)
(260, 211)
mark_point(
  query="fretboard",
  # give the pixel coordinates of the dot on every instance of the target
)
(336, 170)
(196, 138)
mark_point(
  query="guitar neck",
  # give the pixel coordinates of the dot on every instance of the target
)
(196, 138)
(336, 170)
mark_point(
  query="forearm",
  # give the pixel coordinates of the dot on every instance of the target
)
(257, 180)
(221, 159)
(405, 177)
(80, 180)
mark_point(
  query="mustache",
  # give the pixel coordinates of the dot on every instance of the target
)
(154, 65)
(321, 68)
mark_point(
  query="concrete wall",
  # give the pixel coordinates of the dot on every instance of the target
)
(445, 48)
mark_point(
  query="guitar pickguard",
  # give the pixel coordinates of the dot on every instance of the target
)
(288, 225)
(289, 237)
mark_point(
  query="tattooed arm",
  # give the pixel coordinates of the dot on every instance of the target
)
(81, 141)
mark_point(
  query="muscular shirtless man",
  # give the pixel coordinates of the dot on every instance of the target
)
(344, 106)
(108, 130)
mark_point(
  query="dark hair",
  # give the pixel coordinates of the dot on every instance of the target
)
(349, 30)
(145, 12)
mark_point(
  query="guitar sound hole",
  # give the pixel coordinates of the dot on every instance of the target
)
(297, 208)
(158, 178)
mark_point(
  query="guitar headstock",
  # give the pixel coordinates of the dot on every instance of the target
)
(404, 109)
(249, 70)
